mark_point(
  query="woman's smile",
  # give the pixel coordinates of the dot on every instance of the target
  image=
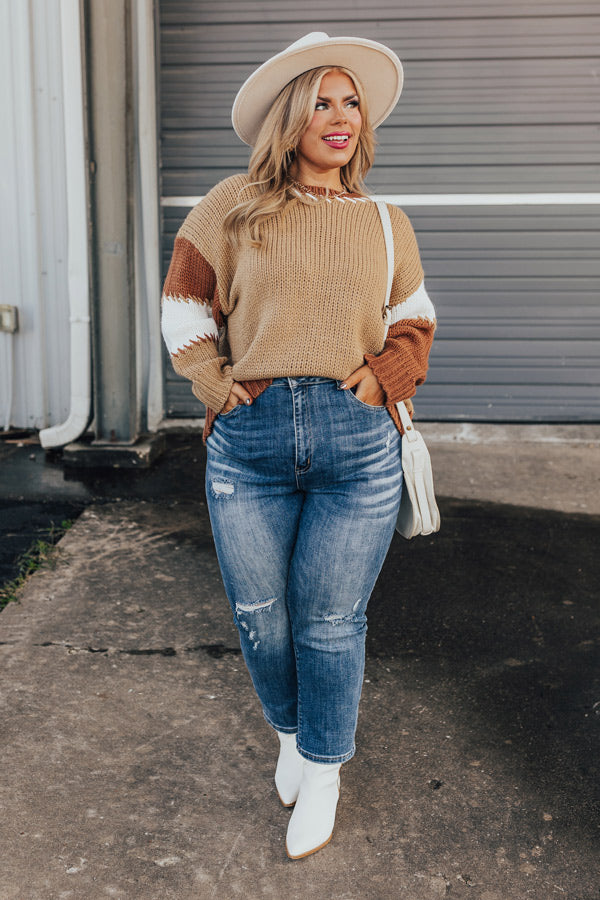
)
(337, 141)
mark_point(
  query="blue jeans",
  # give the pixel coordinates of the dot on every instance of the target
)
(303, 490)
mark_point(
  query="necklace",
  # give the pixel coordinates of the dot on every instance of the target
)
(308, 187)
(316, 192)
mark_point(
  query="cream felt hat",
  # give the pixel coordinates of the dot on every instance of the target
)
(377, 67)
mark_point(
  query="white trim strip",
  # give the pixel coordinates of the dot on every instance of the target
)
(417, 306)
(185, 321)
(490, 199)
(577, 199)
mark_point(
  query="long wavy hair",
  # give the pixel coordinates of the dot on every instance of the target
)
(275, 151)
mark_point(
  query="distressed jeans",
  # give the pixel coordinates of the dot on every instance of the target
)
(303, 490)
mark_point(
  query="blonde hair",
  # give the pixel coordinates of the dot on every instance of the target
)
(275, 150)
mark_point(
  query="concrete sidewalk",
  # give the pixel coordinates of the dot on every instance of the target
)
(138, 766)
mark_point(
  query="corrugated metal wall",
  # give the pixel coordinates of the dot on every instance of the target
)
(498, 98)
(33, 218)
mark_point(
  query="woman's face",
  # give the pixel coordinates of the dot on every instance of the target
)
(330, 140)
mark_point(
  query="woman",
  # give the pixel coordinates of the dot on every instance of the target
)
(272, 306)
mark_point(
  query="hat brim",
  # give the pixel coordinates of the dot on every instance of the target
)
(376, 66)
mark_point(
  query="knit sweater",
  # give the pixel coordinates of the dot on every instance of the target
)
(308, 302)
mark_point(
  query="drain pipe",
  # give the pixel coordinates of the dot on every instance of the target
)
(78, 249)
(9, 380)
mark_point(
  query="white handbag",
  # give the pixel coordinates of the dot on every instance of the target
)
(419, 513)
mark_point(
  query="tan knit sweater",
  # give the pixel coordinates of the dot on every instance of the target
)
(308, 302)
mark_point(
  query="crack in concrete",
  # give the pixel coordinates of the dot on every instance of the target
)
(216, 651)
(72, 648)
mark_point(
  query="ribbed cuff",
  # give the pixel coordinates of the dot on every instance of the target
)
(397, 381)
(214, 391)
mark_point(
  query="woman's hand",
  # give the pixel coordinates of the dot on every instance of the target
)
(238, 394)
(369, 390)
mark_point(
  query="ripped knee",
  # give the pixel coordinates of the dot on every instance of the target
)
(256, 606)
(251, 630)
(222, 488)
(355, 616)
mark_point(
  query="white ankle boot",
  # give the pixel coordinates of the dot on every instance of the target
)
(311, 824)
(288, 773)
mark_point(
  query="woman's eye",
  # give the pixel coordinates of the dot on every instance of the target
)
(322, 105)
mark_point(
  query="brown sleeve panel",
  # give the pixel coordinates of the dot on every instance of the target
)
(403, 362)
(190, 276)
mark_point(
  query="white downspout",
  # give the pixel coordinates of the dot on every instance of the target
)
(78, 248)
(147, 210)
(10, 368)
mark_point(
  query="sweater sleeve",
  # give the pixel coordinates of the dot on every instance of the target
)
(190, 320)
(402, 363)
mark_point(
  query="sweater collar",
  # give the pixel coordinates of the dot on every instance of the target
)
(316, 190)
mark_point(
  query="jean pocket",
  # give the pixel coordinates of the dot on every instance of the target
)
(354, 398)
(230, 412)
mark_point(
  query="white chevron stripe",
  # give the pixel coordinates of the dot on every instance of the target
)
(184, 321)
(329, 199)
(417, 306)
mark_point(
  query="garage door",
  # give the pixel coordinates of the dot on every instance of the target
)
(492, 151)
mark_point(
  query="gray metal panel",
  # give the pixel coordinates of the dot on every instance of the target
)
(464, 159)
(204, 12)
(497, 98)
(458, 38)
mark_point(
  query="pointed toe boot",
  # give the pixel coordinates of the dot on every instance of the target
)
(311, 825)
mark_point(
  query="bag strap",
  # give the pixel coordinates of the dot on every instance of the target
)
(388, 235)
(384, 214)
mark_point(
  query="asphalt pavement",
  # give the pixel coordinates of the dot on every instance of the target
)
(137, 763)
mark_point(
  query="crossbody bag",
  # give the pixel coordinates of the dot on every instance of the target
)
(419, 513)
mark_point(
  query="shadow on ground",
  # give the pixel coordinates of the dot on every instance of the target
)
(503, 606)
